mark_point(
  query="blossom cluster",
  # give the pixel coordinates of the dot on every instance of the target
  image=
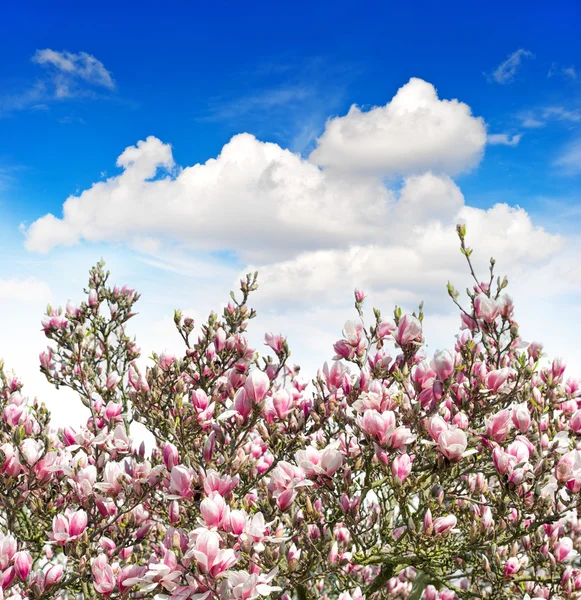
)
(393, 474)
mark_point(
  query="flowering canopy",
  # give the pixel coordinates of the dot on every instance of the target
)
(396, 476)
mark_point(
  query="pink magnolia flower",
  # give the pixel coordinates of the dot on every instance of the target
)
(380, 426)
(409, 330)
(11, 465)
(519, 450)
(402, 466)
(486, 308)
(113, 475)
(211, 559)
(46, 358)
(7, 550)
(436, 425)
(246, 586)
(166, 360)
(558, 367)
(575, 422)
(22, 564)
(53, 576)
(256, 386)
(209, 446)
(93, 298)
(495, 379)
(319, 462)
(31, 450)
(521, 417)
(444, 525)
(563, 549)
(401, 437)
(214, 510)
(112, 381)
(220, 339)
(352, 332)
(69, 526)
(499, 425)
(568, 470)
(243, 404)
(130, 576)
(224, 484)
(452, 443)
(165, 574)
(503, 461)
(238, 520)
(386, 328)
(170, 456)
(274, 341)
(443, 364)
(103, 577)
(282, 403)
(180, 482)
(511, 567)
(77, 523)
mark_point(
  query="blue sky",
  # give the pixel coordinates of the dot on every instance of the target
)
(194, 74)
(80, 87)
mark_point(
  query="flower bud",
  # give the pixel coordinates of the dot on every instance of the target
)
(22, 564)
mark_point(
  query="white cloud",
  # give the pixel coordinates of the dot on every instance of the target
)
(415, 259)
(69, 68)
(413, 133)
(254, 197)
(506, 71)
(504, 139)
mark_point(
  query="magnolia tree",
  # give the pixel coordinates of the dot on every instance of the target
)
(395, 475)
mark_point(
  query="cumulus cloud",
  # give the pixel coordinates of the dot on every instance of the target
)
(68, 68)
(414, 132)
(249, 198)
(253, 196)
(312, 229)
(415, 261)
(504, 139)
(506, 71)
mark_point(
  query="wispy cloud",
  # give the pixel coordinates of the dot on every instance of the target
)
(281, 96)
(67, 75)
(71, 120)
(569, 162)
(69, 69)
(504, 139)
(289, 100)
(562, 114)
(539, 117)
(565, 72)
(506, 71)
(531, 122)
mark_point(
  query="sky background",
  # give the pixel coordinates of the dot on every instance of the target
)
(329, 145)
